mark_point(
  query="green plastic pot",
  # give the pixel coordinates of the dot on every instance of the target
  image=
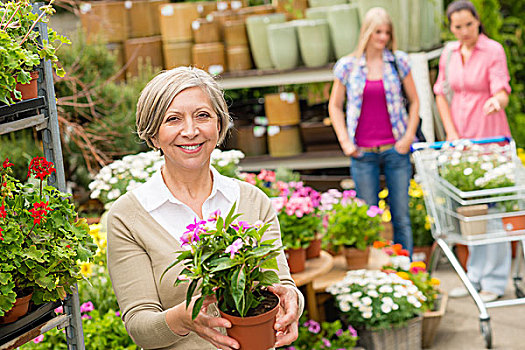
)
(314, 41)
(283, 45)
(343, 21)
(257, 35)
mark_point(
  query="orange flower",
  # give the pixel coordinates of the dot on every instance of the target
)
(379, 244)
(397, 248)
(419, 264)
(403, 275)
(435, 281)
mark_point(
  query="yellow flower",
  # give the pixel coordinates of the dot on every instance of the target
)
(403, 275)
(382, 204)
(94, 231)
(86, 269)
(418, 264)
(419, 207)
(435, 281)
(386, 216)
(383, 194)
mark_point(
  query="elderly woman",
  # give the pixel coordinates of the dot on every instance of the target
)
(183, 114)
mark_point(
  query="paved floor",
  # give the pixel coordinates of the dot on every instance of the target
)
(459, 328)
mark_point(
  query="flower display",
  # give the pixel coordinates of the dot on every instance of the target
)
(471, 167)
(350, 221)
(375, 299)
(417, 273)
(265, 181)
(227, 258)
(131, 171)
(299, 215)
(323, 336)
(42, 244)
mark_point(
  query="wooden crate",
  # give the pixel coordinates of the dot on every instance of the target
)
(104, 21)
(282, 108)
(177, 54)
(209, 57)
(140, 19)
(238, 58)
(286, 142)
(141, 51)
(234, 33)
(205, 31)
(175, 21)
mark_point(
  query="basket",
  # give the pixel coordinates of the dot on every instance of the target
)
(407, 337)
(205, 31)
(475, 227)
(431, 321)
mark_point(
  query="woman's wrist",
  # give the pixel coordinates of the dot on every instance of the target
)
(175, 319)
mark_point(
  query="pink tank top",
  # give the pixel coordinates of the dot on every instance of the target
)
(374, 127)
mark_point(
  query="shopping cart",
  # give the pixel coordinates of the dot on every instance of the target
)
(474, 217)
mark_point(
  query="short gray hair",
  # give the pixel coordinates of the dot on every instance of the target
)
(158, 94)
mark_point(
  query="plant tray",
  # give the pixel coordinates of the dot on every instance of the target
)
(431, 321)
(407, 337)
(36, 316)
(26, 106)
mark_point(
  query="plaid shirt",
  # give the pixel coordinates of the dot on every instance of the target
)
(352, 72)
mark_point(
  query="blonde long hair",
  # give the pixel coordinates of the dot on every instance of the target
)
(374, 17)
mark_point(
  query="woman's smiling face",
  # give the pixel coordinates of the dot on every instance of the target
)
(189, 131)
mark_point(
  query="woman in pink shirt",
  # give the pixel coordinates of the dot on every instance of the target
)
(475, 68)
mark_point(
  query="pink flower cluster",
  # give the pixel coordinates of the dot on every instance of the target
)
(193, 231)
(333, 196)
(299, 200)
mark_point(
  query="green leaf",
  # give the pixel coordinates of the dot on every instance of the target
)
(190, 291)
(237, 286)
(197, 307)
(46, 281)
(269, 278)
(270, 264)
(34, 254)
(223, 264)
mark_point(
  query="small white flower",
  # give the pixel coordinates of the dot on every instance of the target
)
(386, 308)
(373, 293)
(366, 301)
(467, 171)
(367, 315)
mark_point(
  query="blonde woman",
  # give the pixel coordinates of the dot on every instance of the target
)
(375, 128)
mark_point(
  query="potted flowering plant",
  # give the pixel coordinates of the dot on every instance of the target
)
(265, 181)
(353, 225)
(228, 258)
(322, 336)
(381, 306)
(300, 221)
(23, 51)
(41, 241)
(434, 306)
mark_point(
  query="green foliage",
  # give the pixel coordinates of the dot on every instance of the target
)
(227, 261)
(42, 240)
(353, 223)
(21, 146)
(19, 47)
(298, 232)
(323, 336)
(419, 219)
(102, 331)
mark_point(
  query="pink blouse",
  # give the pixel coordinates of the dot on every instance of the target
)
(483, 75)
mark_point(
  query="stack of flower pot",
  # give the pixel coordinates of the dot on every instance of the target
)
(283, 113)
(208, 49)
(130, 29)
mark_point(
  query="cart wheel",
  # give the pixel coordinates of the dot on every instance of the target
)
(486, 332)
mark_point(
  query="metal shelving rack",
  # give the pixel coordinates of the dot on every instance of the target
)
(41, 113)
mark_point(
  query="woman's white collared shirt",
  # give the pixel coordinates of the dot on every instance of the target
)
(172, 214)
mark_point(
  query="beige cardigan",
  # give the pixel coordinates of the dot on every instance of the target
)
(139, 250)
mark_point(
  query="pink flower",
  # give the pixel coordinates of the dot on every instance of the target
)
(87, 307)
(313, 327)
(373, 211)
(326, 342)
(417, 269)
(59, 310)
(234, 247)
(278, 203)
(117, 313)
(352, 330)
(86, 317)
(38, 339)
(214, 216)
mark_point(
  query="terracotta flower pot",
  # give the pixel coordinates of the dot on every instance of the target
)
(462, 254)
(30, 90)
(296, 259)
(514, 223)
(19, 309)
(314, 249)
(356, 259)
(255, 332)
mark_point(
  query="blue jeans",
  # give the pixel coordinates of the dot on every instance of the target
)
(397, 168)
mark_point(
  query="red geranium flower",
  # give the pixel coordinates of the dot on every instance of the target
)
(1, 235)
(39, 211)
(40, 167)
(7, 164)
(3, 213)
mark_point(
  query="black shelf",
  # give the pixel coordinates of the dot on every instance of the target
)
(29, 107)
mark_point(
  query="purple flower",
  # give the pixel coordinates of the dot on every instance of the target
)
(244, 225)
(192, 233)
(38, 339)
(339, 332)
(59, 310)
(352, 331)
(87, 307)
(373, 211)
(234, 247)
(117, 313)
(313, 327)
(326, 342)
(290, 348)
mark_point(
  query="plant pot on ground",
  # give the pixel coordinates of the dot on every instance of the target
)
(231, 249)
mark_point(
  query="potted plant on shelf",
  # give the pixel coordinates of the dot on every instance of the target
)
(42, 244)
(221, 250)
(354, 226)
(22, 52)
(300, 222)
(381, 307)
